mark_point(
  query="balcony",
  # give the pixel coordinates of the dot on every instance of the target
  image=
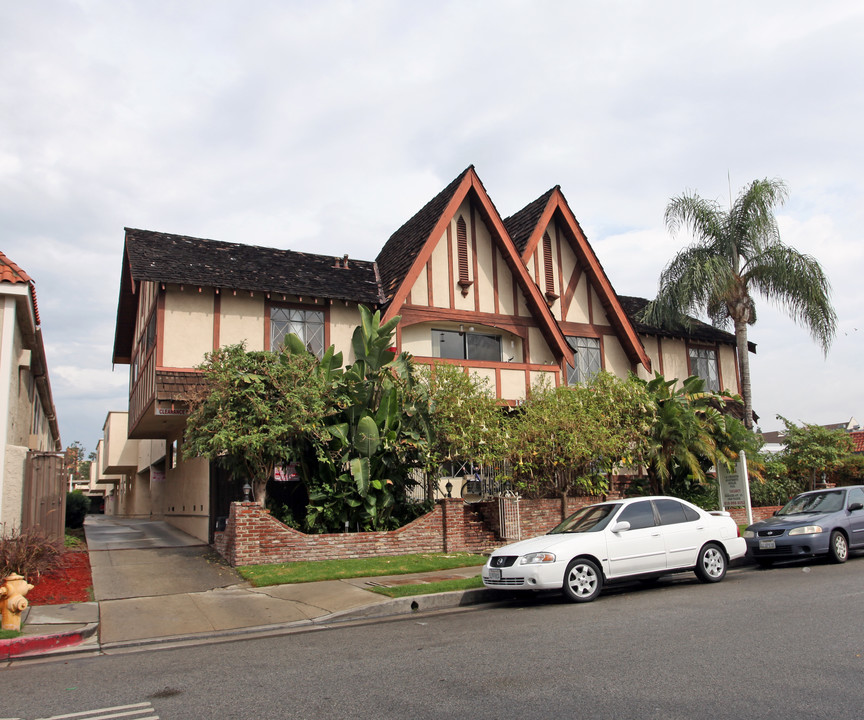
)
(157, 405)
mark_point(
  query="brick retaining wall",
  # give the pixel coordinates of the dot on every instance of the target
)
(252, 536)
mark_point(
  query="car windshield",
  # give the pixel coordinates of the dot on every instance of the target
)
(589, 519)
(820, 502)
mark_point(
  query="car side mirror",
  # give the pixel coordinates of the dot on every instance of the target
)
(856, 506)
(621, 527)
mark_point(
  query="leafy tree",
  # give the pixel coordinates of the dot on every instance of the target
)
(810, 450)
(359, 467)
(563, 440)
(736, 253)
(690, 434)
(74, 463)
(251, 409)
(776, 485)
(465, 418)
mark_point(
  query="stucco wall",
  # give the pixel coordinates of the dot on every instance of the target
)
(616, 361)
(186, 497)
(13, 487)
(728, 369)
(241, 319)
(343, 321)
(188, 327)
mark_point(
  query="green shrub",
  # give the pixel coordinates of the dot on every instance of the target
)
(28, 553)
(77, 506)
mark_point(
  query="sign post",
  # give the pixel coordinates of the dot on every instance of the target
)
(735, 487)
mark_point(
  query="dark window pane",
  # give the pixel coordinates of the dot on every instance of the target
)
(690, 513)
(451, 345)
(639, 515)
(483, 347)
(671, 512)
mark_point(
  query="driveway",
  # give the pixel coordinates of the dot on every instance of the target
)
(133, 558)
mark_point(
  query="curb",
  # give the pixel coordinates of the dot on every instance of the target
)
(31, 645)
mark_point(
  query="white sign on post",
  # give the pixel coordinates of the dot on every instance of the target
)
(735, 487)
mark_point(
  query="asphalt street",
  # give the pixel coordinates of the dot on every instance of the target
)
(780, 643)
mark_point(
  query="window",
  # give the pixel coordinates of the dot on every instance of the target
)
(454, 345)
(308, 325)
(703, 362)
(639, 515)
(673, 512)
(855, 495)
(588, 359)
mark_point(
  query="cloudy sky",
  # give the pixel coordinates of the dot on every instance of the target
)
(322, 126)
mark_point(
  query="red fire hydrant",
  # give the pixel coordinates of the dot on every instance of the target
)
(14, 603)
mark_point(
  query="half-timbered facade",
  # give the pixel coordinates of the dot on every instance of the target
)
(516, 300)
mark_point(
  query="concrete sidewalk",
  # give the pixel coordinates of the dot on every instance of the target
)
(154, 584)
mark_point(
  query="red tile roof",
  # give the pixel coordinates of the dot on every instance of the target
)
(857, 441)
(11, 273)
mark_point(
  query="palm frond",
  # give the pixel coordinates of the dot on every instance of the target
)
(796, 283)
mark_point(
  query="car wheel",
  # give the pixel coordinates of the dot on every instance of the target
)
(838, 548)
(582, 581)
(711, 564)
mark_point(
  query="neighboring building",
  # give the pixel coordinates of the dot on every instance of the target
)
(514, 300)
(28, 421)
(775, 440)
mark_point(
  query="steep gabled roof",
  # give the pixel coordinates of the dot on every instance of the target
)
(182, 260)
(409, 248)
(402, 248)
(527, 226)
(522, 224)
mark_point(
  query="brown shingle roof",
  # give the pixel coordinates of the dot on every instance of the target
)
(162, 257)
(399, 252)
(699, 330)
(521, 224)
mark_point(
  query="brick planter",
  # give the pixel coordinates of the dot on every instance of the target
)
(252, 537)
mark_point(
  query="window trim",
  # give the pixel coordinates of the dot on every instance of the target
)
(693, 347)
(571, 371)
(268, 320)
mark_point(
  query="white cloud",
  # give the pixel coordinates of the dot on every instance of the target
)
(326, 125)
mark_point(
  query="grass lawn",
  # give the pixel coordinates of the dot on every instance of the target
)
(9, 634)
(429, 588)
(298, 572)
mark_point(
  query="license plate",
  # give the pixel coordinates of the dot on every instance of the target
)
(494, 573)
(767, 545)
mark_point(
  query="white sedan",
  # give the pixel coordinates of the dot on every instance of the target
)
(636, 538)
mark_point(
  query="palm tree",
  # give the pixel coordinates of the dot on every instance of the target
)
(736, 252)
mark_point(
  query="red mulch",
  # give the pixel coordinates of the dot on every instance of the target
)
(72, 582)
